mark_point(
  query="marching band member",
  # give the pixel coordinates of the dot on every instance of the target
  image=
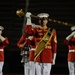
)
(47, 57)
(3, 43)
(70, 41)
(28, 39)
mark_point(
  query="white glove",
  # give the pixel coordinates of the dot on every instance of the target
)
(30, 37)
(54, 57)
(72, 34)
(28, 18)
(28, 14)
(2, 38)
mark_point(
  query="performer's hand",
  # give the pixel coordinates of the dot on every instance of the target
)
(73, 33)
(28, 14)
(30, 37)
(69, 37)
(53, 63)
(2, 38)
(54, 58)
(22, 45)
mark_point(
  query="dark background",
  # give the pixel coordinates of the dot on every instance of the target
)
(59, 10)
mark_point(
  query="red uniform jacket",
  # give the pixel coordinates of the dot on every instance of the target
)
(28, 42)
(47, 54)
(2, 46)
(71, 46)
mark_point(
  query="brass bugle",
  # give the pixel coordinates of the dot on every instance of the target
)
(21, 13)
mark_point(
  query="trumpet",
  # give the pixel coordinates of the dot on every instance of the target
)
(21, 13)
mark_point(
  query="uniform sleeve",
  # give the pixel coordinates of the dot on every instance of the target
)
(5, 42)
(54, 41)
(22, 39)
(33, 42)
(29, 30)
(35, 31)
(66, 42)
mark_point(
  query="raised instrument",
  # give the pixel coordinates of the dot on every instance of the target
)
(21, 13)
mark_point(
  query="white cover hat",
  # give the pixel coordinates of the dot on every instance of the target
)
(73, 28)
(1, 28)
(41, 15)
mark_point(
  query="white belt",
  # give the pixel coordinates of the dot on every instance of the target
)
(1, 50)
(71, 50)
(32, 49)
